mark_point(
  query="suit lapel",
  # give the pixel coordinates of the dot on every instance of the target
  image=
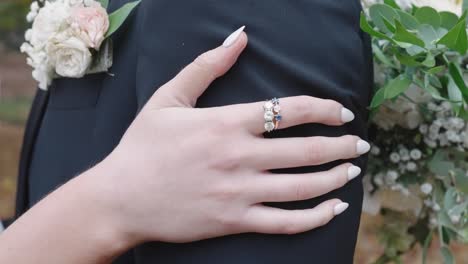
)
(32, 128)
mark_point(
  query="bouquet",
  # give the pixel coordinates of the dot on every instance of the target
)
(70, 38)
(418, 170)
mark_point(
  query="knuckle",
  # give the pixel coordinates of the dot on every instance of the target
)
(325, 219)
(228, 221)
(288, 227)
(312, 150)
(301, 192)
(206, 65)
(228, 159)
(227, 193)
(303, 107)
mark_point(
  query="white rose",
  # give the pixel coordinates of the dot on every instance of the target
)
(69, 55)
(454, 6)
(51, 19)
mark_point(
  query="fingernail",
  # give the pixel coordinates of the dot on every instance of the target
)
(362, 147)
(233, 37)
(340, 208)
(346, 115)
(353, 172)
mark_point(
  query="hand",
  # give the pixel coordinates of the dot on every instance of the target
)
(183, 174)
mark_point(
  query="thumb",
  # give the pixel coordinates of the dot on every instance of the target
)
(193, 80)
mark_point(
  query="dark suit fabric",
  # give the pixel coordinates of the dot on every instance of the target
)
(300, 47)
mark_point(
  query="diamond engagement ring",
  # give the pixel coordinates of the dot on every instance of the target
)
(272, 114)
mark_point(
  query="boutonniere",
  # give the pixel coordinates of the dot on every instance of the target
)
(70, 38)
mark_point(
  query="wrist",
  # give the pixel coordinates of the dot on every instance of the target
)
(98, 198)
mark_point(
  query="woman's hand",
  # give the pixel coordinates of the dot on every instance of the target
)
(182, 174)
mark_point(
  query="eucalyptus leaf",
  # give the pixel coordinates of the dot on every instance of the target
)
(428, 35)
(366, 27)
(456, 38)
(436, 70)
(403, 35)
(408, 20)
(392, 3)
(454, 93)
(448, 19)
(439, 164)
(428, 15)
(378, 98)
(117, 18)
(396, 87)
(457, 77)
(378, 12)
(461, 180)
(447, 255)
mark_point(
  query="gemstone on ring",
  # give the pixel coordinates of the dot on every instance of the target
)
(268, 106)
(277, 108)
(269, 116)
(269, 126)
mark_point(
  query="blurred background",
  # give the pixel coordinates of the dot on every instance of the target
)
(17, 90)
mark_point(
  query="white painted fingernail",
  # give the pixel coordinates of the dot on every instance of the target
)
(346, 115)
(353, 172)
(233, 37)
(340, 208)
(362, 147)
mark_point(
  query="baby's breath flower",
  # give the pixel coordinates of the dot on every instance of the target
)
(416, 154)
(426, 188)
(394, 157)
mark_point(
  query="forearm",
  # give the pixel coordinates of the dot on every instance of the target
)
(69, 226)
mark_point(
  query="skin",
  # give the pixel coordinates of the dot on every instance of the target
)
(207, 177)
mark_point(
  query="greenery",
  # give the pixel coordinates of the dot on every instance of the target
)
(14, 110)
(419, 106)
(13, 22)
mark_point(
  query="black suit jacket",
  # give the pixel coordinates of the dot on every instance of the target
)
(312, 47)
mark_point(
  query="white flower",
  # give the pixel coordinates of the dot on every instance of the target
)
(416, 154)
(70, 55)
(51, 19)
(394, 157)
(391, 176)
(375, 150)
(455, 219)
(411, 166)
(426, 188)
(423, 128)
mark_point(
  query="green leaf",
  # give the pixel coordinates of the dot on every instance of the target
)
(447, 255)
(396, 86)
(436, 70)
(403, 35)
(408, 20)
(439, 164)
(392, 3)
(457, 77)
(366, 27)
(454, 95)
(389, 25)
(426, 245)
(428, 35)
(381, 56)
(379, 12)
(117, 18)
(429, 61)
(456, 38)
(378, 98)
(104, 3)
(462, 181)
(408, 60)
(428, 15)
(448, 19)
